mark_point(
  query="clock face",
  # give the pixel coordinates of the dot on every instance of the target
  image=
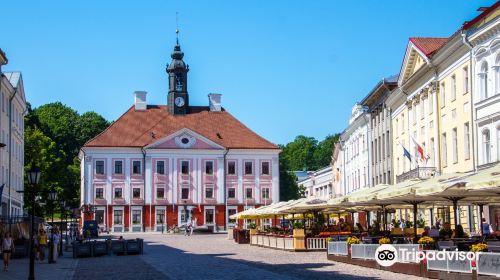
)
(179, 101)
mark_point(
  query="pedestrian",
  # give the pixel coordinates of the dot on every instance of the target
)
(55, 247)
(7, 250)
(42, 244)
(191, 227)
(486, 228)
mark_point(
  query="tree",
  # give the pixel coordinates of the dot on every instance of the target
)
(324, 150)
(299, 154)
(89, 125)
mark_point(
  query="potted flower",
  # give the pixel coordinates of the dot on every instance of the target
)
(384, 240)
(426, 242)
(352, 240)
(420, 225)
(479, 247)
(298, 229)
(253, 229)
(408, 227)
(397, 230)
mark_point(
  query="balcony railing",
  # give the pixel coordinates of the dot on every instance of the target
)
(417, 173)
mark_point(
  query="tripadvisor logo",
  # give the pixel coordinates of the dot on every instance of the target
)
(386, 255)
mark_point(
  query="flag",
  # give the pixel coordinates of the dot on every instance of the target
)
(419, 148)
(406, 153)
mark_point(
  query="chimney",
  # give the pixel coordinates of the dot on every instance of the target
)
(214, 102)
(140, 100)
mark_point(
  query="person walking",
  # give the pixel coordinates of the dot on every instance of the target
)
(7, 250)
(42, 244)
(55, 248)
(486, 227)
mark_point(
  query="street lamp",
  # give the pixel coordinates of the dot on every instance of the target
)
(63, 213)
(33, 179)
(52, 198)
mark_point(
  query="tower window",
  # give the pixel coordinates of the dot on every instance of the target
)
(178, 82)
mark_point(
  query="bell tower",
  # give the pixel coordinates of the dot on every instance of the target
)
(178, 98)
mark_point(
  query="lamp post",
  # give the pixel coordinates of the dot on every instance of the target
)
(33, 179)
(52, 198)
(63, 214)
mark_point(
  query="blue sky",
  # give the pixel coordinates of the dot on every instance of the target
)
(284, 67)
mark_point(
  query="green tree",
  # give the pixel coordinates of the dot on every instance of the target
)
(324, 150)
(89, 125)
(299, 154)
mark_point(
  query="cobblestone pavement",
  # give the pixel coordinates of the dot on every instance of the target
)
(199, 257)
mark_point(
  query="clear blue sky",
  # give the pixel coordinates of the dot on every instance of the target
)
(284, 67)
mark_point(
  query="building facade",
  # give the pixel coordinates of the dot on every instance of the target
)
(380, 130)
(319, 183)
(161, 166)
(355, 148)
(483, 36)
(12, 111)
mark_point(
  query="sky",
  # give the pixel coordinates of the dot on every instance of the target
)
(284, 67)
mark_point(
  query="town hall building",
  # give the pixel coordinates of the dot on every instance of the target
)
(161, 166)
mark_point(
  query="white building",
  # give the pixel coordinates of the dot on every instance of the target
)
(12, 111)
(319, 183)
(356, 154)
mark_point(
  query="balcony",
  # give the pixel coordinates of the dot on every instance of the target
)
(417, 173)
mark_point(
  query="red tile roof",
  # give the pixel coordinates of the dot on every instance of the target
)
(483, 14)
(141, 128)
(428, 45)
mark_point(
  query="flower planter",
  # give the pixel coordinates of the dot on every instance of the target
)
(254, 231)
(420, 231)
(409, 231)
(397, 231)
(299, 233)
(299, 240)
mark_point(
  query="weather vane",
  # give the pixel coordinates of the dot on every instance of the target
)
(177, 26)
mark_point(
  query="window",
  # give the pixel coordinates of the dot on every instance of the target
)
(465, 72)
(160, 192)
(396, 128)
(444, 147)
(231, 212)
(442, 93)
(185, 192)
(136, 217)
(422, 108)
(265, 193)
(118, 217)
(497, 75)
(466, 141)
(160, 167)
(99, 167)
(136, 193)
(99, 217)
(454, 144)
(118, 193)
(264, 170)
(483, 80)
(431, 104)
(185, 167)
(453, 113)
(402, 123)
(414, 113)
(431, 144)
(209, 216)
(248, 193)
(231, 167)
(209, 167)
(486, 146)
(136, 167)
(453, 87)
(118, 167)
(99, 193)
(160, 216)
(209, 191)
(248, 168)
(231, 193)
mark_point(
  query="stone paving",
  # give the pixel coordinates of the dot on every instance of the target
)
(199, 257)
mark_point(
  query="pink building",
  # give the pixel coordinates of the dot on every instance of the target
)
(161, 165)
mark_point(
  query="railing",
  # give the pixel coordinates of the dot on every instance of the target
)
(417, 173)
(363, 251)
(407, 253)
(488, 264)
(337, 248)
(316, 243)
(288, 243)
(453, 264)
(278, 242)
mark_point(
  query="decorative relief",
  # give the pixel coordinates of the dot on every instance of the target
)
(408, 104)
(185, 141)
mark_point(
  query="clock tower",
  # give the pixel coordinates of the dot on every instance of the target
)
(178, 99)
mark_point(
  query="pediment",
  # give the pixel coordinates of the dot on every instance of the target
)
(414, 60)
(185, 139)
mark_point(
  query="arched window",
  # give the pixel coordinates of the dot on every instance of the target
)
(497, 75)
(483, 80)
(486, 146)
(498, 143)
